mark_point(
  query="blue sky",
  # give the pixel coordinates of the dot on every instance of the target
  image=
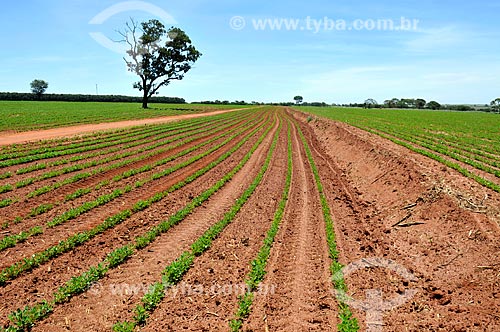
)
(453, 56)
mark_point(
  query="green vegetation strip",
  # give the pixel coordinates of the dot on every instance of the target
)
(488, 184)
(347, 322)
(37, 259)
(157, 135)
(28, 115)
(174, 272)
(98, 144)
(54, 146)
(24, 319)
(436, 131)
(126, 174)
(12, 240)
(473, 160)
(84, 175)
(83, 166)
(258, 271)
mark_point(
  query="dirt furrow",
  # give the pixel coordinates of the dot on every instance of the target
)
(47, 278)
(298, 267)
(118, 293)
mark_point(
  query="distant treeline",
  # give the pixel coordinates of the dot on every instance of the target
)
(461, 108)
(314, 104)
(16, 96)
(225, 102)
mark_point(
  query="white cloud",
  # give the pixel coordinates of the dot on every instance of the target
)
(430, 81)
(430, 40)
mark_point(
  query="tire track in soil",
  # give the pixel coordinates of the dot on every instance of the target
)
(453, 294)
(23, 207)
(87, 221)
(221, 270)
(43, 281)
(298, 267)
(98, 311)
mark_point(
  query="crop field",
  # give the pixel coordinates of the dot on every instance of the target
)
(30, 115)
(468, 142)
(247, 220)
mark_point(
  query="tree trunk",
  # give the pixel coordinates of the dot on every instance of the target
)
(145, 100)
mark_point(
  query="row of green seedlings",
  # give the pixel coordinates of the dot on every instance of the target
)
(129, 137)
(473, 159)
(12, 240)
(45, 189)
(85, 141)
(43, 208)
(156, 135)
(467, 158)
(52, 174)
(84, 175)
(348, 323)
(482, 181)
(258, 265)
(174, 272)
(69, 142)
(438, 143)
(92, 139)
(76, 240)
(462, 146)
(485, 143)
(24, 319)
(153, 131)
(15, 151)
(83, 166)
(54, 154)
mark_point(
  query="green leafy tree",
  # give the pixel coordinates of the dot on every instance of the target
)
(434, 105)
(392, 103)
(157, 56)
(495, 104)
(370, 103)
(420, 103)
(298, 99)
(38, 87)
